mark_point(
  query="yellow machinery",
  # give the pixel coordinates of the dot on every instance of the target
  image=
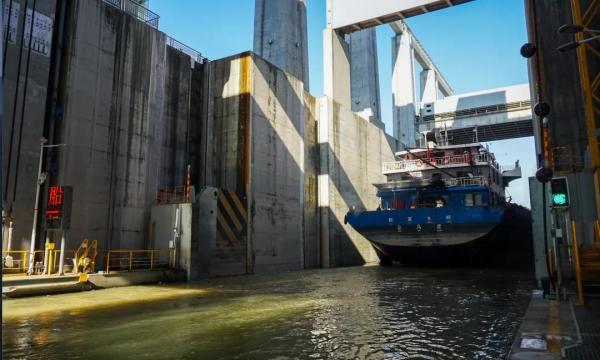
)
(85, 256)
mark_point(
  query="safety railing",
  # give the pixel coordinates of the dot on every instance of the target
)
(175, 195)
(138, 260)
(69, 263)
(420, 164)
(483, 110)
(137, 10)
(194, 54)
(16, 262)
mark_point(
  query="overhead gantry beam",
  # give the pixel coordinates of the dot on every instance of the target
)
(347, 16)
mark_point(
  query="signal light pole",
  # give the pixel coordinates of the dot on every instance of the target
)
(41, 179)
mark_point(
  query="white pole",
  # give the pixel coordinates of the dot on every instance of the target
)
(10, 232)
(8, 259)
(176, 234)
(35, 209)
(61, 261)
(46, 254)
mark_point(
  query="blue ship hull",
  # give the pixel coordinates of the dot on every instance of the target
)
(395, 233)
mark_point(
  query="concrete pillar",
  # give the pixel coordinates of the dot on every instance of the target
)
(403, 89)
(364, 75)
(336, 65)
(280, 35)
(429, 86)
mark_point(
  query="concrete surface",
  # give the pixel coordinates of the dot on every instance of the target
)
(404, 89)
(24, 286)
(256, 115)
(25, 89)
(559, 86)
(352, 153)
(537, 227)
(336, 68)
(563, 331)
(135, 114)
(126, 115)
(312, 246)
(281, 35)
(364, 75)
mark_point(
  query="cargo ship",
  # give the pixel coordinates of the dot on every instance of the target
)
(439, 204)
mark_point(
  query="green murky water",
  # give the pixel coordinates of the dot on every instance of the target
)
(362, 312)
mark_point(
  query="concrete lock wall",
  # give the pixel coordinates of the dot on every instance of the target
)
(26, 70)
(352, 153)
(293, 140)
(126, 118)
(256, 124)
(134, 114)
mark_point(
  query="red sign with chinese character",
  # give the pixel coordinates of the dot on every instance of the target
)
(58, 208)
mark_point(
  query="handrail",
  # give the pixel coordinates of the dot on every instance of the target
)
(577, 264)
(20, 258)
(138, 11)
(175, 195)
(138, 259)
(417, 164)
(179, 46)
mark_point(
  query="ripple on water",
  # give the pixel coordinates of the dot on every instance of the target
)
(370, 313)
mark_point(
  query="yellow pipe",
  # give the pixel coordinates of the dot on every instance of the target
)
(577, 264)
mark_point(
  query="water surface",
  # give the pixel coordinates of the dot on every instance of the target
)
(361, 312)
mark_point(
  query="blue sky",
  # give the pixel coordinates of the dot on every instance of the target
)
(475, 45)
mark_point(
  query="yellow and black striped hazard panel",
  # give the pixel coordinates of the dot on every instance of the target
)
(231, 219)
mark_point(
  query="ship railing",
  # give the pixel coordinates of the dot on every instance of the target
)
(467, 181)
(418, 164)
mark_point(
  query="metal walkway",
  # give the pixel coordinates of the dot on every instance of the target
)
(588, 318)
(497, 114)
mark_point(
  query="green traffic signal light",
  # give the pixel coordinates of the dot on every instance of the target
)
(559, 199)
(559, 192)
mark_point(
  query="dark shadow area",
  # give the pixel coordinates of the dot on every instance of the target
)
(508, 246)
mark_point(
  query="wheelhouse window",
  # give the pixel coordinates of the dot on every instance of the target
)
(469, 199)
(478, 199)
